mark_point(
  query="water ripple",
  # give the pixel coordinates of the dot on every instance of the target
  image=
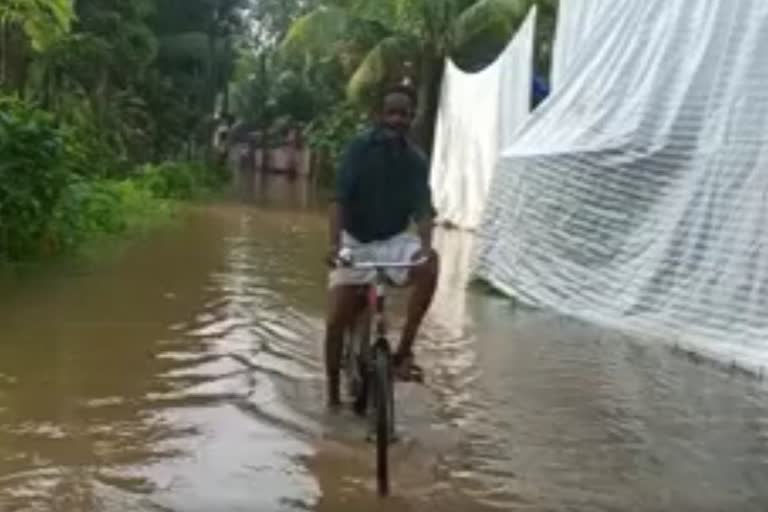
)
(214, 400)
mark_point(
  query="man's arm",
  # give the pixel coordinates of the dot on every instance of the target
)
(424, 215)
(343, 189)
(424, 228)
(335, 216)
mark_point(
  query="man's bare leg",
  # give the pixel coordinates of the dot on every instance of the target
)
(344, 305)
(424, 282)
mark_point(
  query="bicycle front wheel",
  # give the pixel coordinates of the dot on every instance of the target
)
(384, 417)
(357, 349)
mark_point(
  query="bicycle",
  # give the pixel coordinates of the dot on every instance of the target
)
(368, 367)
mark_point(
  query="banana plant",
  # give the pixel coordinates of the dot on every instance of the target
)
(29, 25)
(43, 21)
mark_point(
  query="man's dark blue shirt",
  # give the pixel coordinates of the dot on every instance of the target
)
(382, 184)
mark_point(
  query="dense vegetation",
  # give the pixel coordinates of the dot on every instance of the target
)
(107, 107)
(320, 63)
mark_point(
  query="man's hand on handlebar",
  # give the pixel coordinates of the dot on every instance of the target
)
(332, 258)
(423, 256)
(339, 258)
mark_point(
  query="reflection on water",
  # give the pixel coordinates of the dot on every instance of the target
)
(185, 375)
(137, 386)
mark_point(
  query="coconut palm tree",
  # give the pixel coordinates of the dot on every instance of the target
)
(380, 41)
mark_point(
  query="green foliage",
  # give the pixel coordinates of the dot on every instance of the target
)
(384, 64)
(178, 180)
(269, 90)
(329, 134)
(54, 196)
(32, 175)
(413, 37)
(150, 76)
(481, 32)
(89, 209)
(119, 87)
(314, 33)
(407, 30)
(43, 21)
(275, 17)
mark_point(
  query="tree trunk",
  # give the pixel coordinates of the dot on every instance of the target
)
(23, 76)
(225, 102)
(266, 120)
(212, 64)
(3, 51)
(228, 74)
(430, 82)
(46, 89)
(14, 58)
(265, 149)
(212, 73)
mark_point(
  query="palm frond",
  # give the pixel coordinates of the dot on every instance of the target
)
(44, 22)
(315, 32)
(482, 31)
(383, 63)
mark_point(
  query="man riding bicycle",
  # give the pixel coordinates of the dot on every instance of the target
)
(382, 186)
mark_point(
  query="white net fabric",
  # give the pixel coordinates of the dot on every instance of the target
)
(575, 23)
(635, 197)
(479, 113)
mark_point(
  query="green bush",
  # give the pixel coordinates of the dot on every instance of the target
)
(89, 209)
(33, 176)
(329, 134)
(179, 180)
(55, 193)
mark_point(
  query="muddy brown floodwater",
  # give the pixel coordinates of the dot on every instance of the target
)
(182, 373)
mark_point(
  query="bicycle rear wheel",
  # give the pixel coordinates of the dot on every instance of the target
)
(384, 416)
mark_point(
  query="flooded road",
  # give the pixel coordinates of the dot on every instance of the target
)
(183, 373)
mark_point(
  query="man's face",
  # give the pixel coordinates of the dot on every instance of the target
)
(397, 113)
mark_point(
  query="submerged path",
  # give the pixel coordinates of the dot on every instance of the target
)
(184, 374)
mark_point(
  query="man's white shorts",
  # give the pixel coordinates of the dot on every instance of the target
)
(400, 247)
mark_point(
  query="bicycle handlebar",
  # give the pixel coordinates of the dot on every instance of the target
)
(345, 260)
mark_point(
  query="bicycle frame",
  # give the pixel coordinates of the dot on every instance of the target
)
(377, 304)
(376, 363)
(376, 295)
(377, 290)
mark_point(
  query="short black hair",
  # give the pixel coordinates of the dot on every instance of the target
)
(399, 89)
